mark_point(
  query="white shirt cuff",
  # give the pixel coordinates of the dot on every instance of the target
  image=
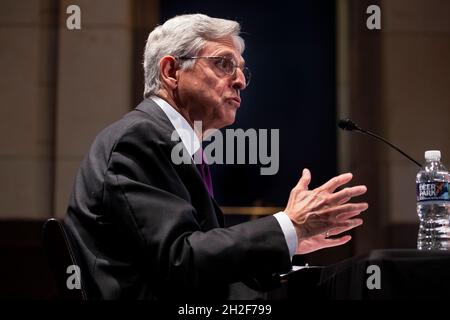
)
(289, 231)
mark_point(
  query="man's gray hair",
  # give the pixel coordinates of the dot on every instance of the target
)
(183, 35)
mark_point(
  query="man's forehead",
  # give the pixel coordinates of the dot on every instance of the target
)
(224, 47)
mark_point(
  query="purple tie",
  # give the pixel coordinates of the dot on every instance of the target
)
(203, 168)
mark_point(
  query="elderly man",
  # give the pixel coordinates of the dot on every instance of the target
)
(147, 228)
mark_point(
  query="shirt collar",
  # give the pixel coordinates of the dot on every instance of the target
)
(182, 127)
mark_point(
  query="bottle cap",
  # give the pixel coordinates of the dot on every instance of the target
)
(433, 155)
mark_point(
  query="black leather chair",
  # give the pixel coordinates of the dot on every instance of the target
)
(61, 255)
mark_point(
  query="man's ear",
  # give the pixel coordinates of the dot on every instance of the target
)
(168, 70)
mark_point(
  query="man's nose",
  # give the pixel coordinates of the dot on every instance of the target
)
(239, 80)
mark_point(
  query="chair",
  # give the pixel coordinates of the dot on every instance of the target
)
(61, 254)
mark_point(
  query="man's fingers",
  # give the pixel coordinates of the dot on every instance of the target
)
(350, 223)
(342, 226)
(337, 241)
(347, 215)
(339, 230)
(336, 182)
(304, 181)
(346, 194)
(349, 207)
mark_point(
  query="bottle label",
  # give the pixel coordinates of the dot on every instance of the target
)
(432, 191)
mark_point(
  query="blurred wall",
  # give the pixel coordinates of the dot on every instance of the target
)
(94, 83)
(395, 82)
(416, 92)
(28, 89)
(59, 88)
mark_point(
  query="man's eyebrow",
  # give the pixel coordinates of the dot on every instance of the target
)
(229, 54)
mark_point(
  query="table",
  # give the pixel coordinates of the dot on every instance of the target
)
(380, 274)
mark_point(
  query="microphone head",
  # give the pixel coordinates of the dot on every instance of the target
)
(347, 124)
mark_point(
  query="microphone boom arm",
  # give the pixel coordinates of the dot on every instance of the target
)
(390, 144)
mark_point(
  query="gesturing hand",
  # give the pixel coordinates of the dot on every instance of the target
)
(321, 241)
(315, 212)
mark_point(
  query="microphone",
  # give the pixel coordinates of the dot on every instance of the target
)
(349, 125)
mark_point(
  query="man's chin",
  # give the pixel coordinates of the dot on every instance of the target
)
(227, 120)
(231, 117)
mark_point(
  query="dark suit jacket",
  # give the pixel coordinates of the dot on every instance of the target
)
(148, 229)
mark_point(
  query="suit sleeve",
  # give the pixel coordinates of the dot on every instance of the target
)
(144, 193)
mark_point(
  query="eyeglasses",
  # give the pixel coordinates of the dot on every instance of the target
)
(226, 65)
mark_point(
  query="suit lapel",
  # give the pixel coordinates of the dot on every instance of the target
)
(150, 107)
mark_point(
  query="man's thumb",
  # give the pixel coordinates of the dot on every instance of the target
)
(304, 180)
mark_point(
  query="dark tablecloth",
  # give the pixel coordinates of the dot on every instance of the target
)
(404, 274)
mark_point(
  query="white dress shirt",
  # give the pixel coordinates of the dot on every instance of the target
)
(192, 144)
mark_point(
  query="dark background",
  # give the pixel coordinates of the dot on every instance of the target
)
(290, 49)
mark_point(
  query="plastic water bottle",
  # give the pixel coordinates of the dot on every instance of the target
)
(433, 204)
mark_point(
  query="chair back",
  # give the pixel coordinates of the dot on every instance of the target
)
(63, 261)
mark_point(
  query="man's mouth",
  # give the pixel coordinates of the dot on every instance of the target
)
(237, 100)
